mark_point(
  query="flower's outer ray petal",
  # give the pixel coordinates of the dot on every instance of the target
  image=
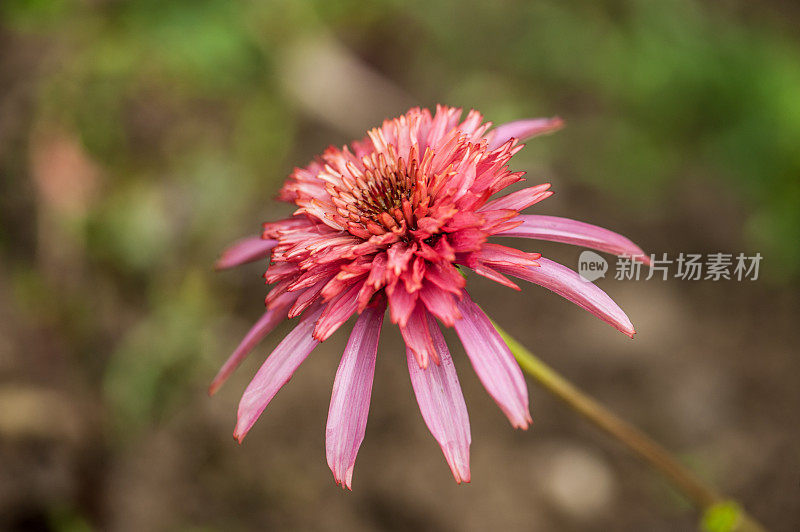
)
(566, 231)
(245, 250)
(262, 327)
(493, 362)
(568, 284)
(275, 372)
(352, 389)
(442, 405)
(522, 129)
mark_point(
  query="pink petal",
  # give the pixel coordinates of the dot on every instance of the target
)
(418, 338)
(401, 304)
(262, 327)
(445, 276)
(522, 129)
(440, 303)
(275, 372)
(245, 250)
(568, 284)
(568, 231)
(493, 362)
(442, 405)
(485, 270)
(521, 199)
(497, 254)
(306, 298)
(352, 389)
(337, 312)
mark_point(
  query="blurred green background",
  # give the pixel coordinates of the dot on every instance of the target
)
(138, 138)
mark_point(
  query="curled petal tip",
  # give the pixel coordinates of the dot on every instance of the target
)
(625, 328)
(459, 465)
(240, 432)
(461, 479)
(523, 424)
(344, 481)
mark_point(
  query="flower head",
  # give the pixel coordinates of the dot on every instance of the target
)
(388, 221)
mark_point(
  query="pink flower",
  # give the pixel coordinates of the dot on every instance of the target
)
(388, 221)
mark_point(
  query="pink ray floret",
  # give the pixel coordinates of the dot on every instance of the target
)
(386, 223)
(245, 250)
(352, 389)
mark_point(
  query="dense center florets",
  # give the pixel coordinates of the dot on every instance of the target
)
(382, 199)
(391, 215)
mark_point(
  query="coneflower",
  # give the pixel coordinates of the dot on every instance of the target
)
(388, 221)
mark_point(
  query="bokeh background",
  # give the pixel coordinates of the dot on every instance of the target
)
(139, 138)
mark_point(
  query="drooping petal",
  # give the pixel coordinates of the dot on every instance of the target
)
(352, 389)
(568, 284)
(245, 250)
(442, 404)
(275, 372)
(564, 230)
(493, 362)
(522, 129)
(262, 327)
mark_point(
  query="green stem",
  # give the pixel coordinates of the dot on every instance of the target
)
(697, 491)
